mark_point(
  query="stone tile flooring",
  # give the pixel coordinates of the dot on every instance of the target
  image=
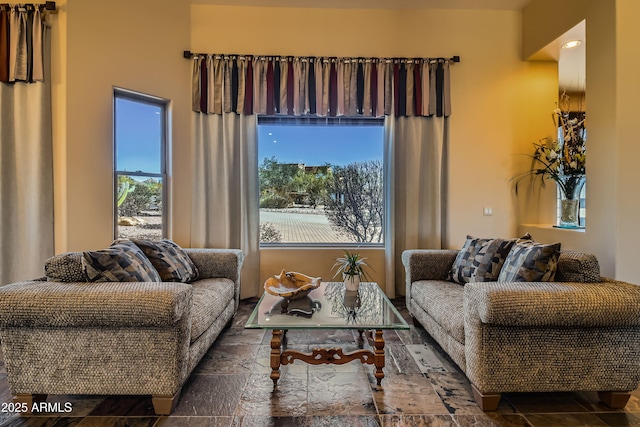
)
(422, 387)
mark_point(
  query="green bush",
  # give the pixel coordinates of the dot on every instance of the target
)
(274, 201)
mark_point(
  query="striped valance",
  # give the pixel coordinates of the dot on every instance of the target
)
(21, 43)
(320, 86)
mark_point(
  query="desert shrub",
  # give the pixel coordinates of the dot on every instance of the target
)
(274, 201)
(269, 234)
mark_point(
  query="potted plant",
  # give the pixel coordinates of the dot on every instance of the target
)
(562, 161)
(352, 268)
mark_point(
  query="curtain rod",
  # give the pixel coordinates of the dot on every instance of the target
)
(188, 54)
(47, 5)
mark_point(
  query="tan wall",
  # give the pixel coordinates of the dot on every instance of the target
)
(500, 103)
(134, 45)
(543, 21)
(628, 153)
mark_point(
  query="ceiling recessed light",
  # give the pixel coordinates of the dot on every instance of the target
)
(571, 44)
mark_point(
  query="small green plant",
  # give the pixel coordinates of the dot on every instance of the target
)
(351, 265)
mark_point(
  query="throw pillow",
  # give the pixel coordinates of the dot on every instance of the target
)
(173, 264)
(65, 267)
(480, 260)
(530, 261)
(121, 262)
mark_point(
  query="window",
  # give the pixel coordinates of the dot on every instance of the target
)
(321, 180)
(140, 145)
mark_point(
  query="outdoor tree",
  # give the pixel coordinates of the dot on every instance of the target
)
(355, 203)
(276, 182)
(313, 185)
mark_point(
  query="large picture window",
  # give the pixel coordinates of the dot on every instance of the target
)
(140, 145)
(321, 180)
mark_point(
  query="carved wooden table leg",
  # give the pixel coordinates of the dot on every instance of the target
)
(379, 355)
(276, 348)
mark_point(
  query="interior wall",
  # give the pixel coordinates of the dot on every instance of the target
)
(500, 103)
(628, 153)
(543, 21)
(106, 44)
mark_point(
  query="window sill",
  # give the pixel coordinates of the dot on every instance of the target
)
(551, 227)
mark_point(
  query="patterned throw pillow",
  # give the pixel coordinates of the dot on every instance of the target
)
(173, 264)
(480, 260)
(121, 262)
(530, 261)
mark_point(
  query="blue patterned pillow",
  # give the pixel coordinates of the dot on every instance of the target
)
(480, 260)
(121, 262)
(173, 264)
(530, 261)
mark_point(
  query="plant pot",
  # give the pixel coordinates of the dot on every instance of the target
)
(352, 283)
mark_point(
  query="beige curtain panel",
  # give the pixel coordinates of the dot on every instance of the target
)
(26, 154)
(296, 86)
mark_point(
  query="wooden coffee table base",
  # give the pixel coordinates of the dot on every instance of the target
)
(319, 356)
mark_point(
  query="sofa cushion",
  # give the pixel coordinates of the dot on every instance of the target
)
(210, 298)
(121, 262)
(443, 301)
(65, 267)
(577, 267)
(530, 261)
(480, 260)
(169, 259)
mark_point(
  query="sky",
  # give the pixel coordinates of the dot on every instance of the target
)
(318, 145)
(139, 133)
(138, 136)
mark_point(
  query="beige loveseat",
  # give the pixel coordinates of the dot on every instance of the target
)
(579, 332)
(115, 338)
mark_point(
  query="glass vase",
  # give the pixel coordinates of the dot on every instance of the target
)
(570, 188)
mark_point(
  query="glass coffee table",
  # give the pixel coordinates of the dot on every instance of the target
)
(330, 306)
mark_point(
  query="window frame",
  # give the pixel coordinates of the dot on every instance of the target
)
(263, 119)
(130, 95)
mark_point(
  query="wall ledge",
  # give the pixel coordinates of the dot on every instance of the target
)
(552, 227)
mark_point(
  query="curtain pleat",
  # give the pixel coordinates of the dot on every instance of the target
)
(37, 67)
(4, 45)
(351, 97)
(284, 73)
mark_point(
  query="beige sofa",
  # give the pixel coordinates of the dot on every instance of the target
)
(577, 333)
(115, 338)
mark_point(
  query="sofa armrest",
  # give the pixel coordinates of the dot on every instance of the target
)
(101, 304)
(428, 264)
(218, 263)
(553, 304)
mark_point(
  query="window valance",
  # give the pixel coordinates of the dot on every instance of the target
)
(322, 86)
(21, 43)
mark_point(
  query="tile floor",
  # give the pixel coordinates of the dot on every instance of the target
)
(231, 387)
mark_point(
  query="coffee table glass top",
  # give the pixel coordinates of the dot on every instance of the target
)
(330, 306)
